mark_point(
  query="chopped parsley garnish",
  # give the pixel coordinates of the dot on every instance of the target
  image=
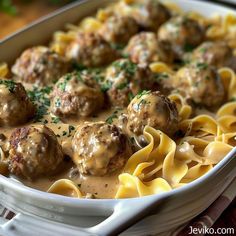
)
(203, 49)
(142, 102)
(201, 65)
(126, 66)
(233, 99)
(117, 46)
(55, 119)
(106, 86)
(188, 48)
(144, 92)
(10, 84)
(68, 77)
(77, 66)
(111, 118)
(130, 96)
(40, 97)
(122, 85)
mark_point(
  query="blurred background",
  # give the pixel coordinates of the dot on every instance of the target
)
(15, 14)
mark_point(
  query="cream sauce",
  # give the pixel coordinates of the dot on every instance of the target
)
(99, 187)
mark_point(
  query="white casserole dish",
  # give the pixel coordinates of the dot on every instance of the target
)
(43, 213)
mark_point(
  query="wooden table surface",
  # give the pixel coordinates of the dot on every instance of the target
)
(27, 12)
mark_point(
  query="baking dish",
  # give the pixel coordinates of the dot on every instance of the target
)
(47, 214)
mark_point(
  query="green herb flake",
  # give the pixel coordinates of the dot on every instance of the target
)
(188, 48)
(130, 96)
(127, 66)
(40, 97)
(106, 86)
(122, 86)
(142, 93)
(201, 65)
(10, 84)
(55, 120)
(110, 119)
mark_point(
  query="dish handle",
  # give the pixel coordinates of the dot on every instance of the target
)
(125, 213)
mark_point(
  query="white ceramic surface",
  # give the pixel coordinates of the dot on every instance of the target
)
(52, 215)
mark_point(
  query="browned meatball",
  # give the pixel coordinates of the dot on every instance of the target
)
(15, 106)
(181, 33)
(76, 94)
(144, 48)
(90, 50)
(39, 65)
(118, 29)
(218, 54)
(123, 80)
(149, 14)
(100, 148)
(201, 84)
(152, 109)
(34, 151)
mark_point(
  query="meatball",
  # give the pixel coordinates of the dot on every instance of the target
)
(181, 33)
(40, 66)
(34, 151)
(152, 109)
(123, 80)
(218, 54)
(144, 48)
(15, 106)
(99, 148)
(118, 29)
(76, 94)
(201, 84)
(149, 14)
(90, 50)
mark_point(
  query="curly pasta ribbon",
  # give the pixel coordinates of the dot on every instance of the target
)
(132, 186)
(226, 117)
(90, 24)
(183, 108)
(65, 187)
(3, 69)
(200, 126)
(160, 67)
(229, 80)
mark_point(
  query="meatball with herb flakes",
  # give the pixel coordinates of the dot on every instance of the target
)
(34, 151)
(90, 50)
(40, 66)
(76, 94)
(217, 54)
(123, 80)
(144, 48)
(182, 33)
(99, 148)
(15, 106)
(201, 84)
(152, 109)
(119, 29)
(149, 14)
